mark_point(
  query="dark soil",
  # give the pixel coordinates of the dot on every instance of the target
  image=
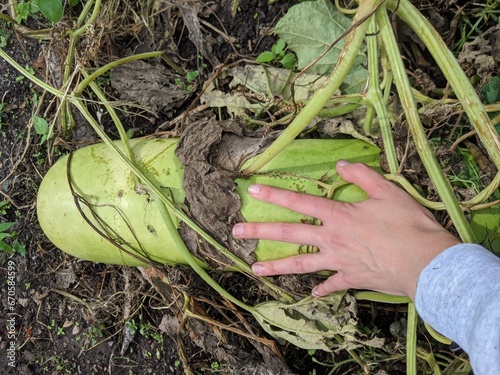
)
(77, 317)
(69, 315)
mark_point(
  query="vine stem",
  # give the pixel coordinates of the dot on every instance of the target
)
(66, 116)
(157, 191)
(375, 98)
(354, 355)
(90, 77)
(114, 116)
(429, 160)
(313, 107)
(367, 295)
(89, 80)
(192, 261)
(78, 103)
(411, 340)
(455, 75)
(81, 18)
(30, 76)
(418, 134)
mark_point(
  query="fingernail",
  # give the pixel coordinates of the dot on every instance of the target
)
(238, 230)
(342, 163)
(257, 268)
(315, 292)
(253, 189)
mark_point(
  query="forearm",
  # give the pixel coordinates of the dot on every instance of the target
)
(458, 294)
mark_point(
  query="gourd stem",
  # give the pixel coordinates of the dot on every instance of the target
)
(454, 74)
(418, 134)
(191, 260)
(315, 105)
(375, 98)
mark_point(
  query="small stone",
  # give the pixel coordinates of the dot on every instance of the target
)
(76, 329)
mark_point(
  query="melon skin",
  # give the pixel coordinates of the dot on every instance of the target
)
(129, 216)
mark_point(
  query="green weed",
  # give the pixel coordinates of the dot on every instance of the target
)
(278, 54)
(92, 335)
(24, 9)
(52, 10)
(132, 326)
(8, 241)
(490, 93)
(190, 77)
(42, 128)
(4, 35)
(145, 329)
(21, 78)
(475, 20)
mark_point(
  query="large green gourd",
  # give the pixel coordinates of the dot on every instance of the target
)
(130, 215)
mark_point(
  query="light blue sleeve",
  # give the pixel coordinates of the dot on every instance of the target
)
(458, 294)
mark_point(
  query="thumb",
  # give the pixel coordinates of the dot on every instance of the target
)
(373, 183)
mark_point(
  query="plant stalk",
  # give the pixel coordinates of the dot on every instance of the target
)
(114, 116)
(191, 260)
(411, 340)
(423, 148)
(240, 265)
(67, 121)
(313, 107)
(103, 69)
(78, 103)
(379, 297)
(28, 75)
(455, 75)
(375, 98)
(81, 29)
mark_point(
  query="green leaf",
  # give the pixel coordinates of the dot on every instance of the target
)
(5, 235)
(309, 28)
(288, 61)
(491, 91)
(23, 10)
(73, 3)
(485, 224)
(279, 47)
(6, 226)
(41, 127)
(3, 43)
(5, 247)
(19, 248)
(265, 57)
(191, 76)
(491, 94)
(51, 9)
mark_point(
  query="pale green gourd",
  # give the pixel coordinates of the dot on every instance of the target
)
(131, 216)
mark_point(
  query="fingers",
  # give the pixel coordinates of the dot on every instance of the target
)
(373, 183)
(334, 283)
(338, 282)
(310, 205)
(303, 263)
(302, 234)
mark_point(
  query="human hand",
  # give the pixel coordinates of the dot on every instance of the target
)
(382, 243)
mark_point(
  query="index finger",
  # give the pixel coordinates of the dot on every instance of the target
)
(310, 205)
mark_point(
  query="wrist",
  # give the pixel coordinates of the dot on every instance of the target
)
(440, 245)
